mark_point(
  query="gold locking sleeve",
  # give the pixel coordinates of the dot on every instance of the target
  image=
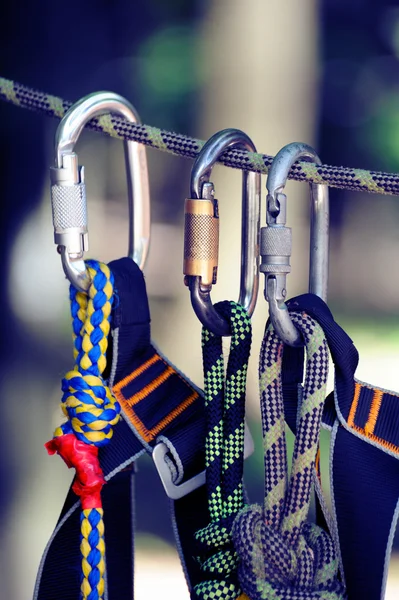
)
(201, 239)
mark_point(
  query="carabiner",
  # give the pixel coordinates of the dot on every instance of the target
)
(201, 232)
(68, 192)
(275, 241)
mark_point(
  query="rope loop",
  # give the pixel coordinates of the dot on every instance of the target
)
(281, 556)
(91, 315)
(224, 453)
(218, 561)
(218, 558)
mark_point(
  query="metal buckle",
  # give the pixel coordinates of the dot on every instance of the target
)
(174, 491)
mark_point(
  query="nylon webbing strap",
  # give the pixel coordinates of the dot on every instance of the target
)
(364, 421)
(224, 452)
(182, 145)
(282, 555)
(168, 407)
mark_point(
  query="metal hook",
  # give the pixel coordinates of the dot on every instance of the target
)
(201, 238)
(68, 193)
(275, 244)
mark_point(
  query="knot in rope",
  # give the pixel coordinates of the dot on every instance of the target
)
(271, 567)
(87, 400)
(218, 561)
(90, 407)
(282, 557)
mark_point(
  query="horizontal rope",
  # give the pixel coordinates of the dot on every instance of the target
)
(347, 178)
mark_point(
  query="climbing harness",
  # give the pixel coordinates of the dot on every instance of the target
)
(224, 452)
(68, 189)
(359, 180)
(275, 245)
(201, 232)
(281, 555)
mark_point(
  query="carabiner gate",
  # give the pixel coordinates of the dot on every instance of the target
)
(68, 192)
(275, 242)
(201, 232)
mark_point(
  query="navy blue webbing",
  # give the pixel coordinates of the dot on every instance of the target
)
(364, 421)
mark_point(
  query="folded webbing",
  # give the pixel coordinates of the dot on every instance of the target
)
(364, 451)
(157, 402)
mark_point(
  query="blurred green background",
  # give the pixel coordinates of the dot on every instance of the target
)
(325, 73)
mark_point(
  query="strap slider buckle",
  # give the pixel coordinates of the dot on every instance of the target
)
(180, 490)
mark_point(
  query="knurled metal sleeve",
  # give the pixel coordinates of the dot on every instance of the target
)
(275, 249)
(201, 240)
(69, 207)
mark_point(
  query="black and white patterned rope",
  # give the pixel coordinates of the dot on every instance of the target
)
(183, 145)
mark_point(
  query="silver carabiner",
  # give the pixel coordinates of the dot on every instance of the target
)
(275, 241)
(201, 232)
(68, 192)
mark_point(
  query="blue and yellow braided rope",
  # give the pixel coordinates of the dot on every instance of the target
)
(87, 401)
(91, 413)
(92, 549)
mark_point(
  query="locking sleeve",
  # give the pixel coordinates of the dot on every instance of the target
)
(201, 239)
(69, 207)
(275, 250)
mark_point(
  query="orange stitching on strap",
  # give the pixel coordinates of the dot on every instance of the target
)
(373, 414)
(149, 434)
(127, 403)
(138, 396)
(355, 402)
(374, 438)
(117, 387)
(172, 415)
(368, 430)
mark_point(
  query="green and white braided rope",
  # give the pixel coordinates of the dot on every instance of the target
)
(360, 180)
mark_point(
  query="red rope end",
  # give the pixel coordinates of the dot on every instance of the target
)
(83, 458)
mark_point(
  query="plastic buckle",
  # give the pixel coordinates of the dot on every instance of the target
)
(174, 491)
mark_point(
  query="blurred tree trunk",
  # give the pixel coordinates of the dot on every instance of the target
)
(261, 60)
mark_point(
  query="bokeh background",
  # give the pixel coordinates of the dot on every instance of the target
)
(325, 73)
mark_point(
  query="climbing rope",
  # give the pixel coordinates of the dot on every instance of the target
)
(182, 145)
(91, 413)
(281, 555)
(224, 452)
